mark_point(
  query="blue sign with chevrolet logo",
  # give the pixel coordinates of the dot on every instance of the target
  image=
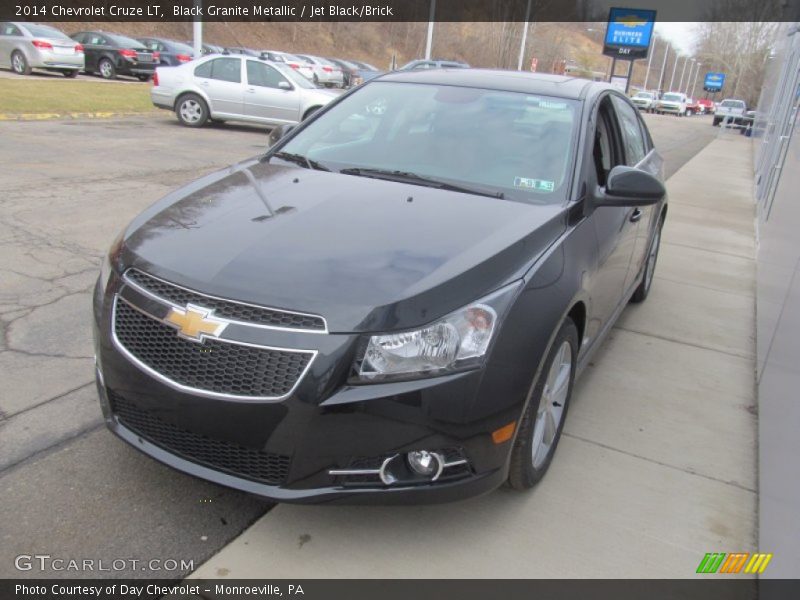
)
(713, 82)
(628, 33)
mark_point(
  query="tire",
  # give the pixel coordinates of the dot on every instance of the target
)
(316, 80)
(716, 122)
(144, 77)
(640, 295)
(107, 69)
(531, 455)
(191, 110)
(71, 74)
(19, 64)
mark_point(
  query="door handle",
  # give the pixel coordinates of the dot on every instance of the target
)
(636, 214)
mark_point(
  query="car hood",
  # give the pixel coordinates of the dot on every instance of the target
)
(366, 254)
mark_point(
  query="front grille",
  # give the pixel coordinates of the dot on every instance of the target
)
(213, 366)
(217, 454)
(225, 308)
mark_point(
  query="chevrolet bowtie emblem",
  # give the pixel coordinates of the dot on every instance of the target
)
(195, 322)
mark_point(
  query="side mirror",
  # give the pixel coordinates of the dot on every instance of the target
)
(628, 186)
(279, 132)
(285, 85)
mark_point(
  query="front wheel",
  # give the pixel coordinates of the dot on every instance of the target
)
(541, 424)
(20, 64)
(649, 267)
(191, 110)
(107, 69)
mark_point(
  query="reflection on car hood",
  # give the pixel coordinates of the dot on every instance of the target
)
(367, 254)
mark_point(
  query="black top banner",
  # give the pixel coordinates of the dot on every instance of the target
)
(389, 10)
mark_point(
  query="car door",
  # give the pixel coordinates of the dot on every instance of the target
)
(265, 99)
(92, 49)
(639, 153)
(221, 80)
(6, 30)
(615, 228)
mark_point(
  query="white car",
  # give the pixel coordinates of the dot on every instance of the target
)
(672, 103)
(236, 88)
(302, 66)
(28, 46)
(326, 73)
(644, 101)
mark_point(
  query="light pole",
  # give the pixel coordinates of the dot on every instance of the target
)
(429, 42)
(524, 36)
(696, 73)
(687, 89)
(197, 29)
(649, 60)
(674, 68)
(683, 73)
(663, 66)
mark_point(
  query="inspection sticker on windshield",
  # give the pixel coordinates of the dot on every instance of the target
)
(540, 185)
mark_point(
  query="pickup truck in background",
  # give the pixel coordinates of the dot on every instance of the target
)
(706, 106)
(693, 107)
(730, 110)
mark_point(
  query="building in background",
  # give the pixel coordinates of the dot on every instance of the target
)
(777, 176)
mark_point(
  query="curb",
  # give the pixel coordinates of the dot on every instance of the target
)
(68, 115)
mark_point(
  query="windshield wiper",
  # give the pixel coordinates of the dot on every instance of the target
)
(413, 178)
(301, 160)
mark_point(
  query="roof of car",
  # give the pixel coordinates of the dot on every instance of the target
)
(513, 81)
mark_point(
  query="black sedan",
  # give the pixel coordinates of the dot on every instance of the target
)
(393, 302)
(113, 54)
(171, 53)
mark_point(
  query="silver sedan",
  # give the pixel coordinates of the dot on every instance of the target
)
(236, 88)
(28, 46)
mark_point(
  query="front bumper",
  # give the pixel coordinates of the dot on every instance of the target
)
(668, 108)
(284, 450)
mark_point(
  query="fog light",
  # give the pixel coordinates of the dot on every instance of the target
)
(428, 464)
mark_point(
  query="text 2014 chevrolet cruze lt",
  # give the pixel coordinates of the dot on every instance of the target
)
(393, 302)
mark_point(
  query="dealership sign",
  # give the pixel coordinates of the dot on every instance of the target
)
(713, 82)
(628, 33)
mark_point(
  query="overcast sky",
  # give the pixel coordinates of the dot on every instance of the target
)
(680, 34)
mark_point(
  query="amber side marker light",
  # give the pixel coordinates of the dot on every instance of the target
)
(505, 433)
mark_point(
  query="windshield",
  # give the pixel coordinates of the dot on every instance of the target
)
(510, 143)
(644, 95)
(294, 76)
(45, 31)
(732, 104)
(672, 97)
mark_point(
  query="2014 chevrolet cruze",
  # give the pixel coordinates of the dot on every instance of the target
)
(393, 302)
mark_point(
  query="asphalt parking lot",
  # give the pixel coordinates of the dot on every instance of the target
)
(67, 486)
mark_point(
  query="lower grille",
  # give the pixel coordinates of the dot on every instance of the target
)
(219, 367)
(217, 454)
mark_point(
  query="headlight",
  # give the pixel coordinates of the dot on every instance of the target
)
(455, 342)
(112, 255)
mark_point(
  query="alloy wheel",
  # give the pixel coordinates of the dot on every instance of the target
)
(105, 69)
(18, 63)
(551, 405)
(191, 112)
(652, 257)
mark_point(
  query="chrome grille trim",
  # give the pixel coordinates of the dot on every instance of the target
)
(199, 391)
(143, 290)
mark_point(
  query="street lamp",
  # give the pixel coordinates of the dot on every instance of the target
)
(429, 41)
(674, 68)
(680, 84)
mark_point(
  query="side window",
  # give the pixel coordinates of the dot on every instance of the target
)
(204, 70)
(97, 40)
(79, 37)
(10, 29)
(606, 150)
(227, 69)
(263, 75)
(632, 137)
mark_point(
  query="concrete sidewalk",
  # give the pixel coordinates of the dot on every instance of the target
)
(657, 465)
